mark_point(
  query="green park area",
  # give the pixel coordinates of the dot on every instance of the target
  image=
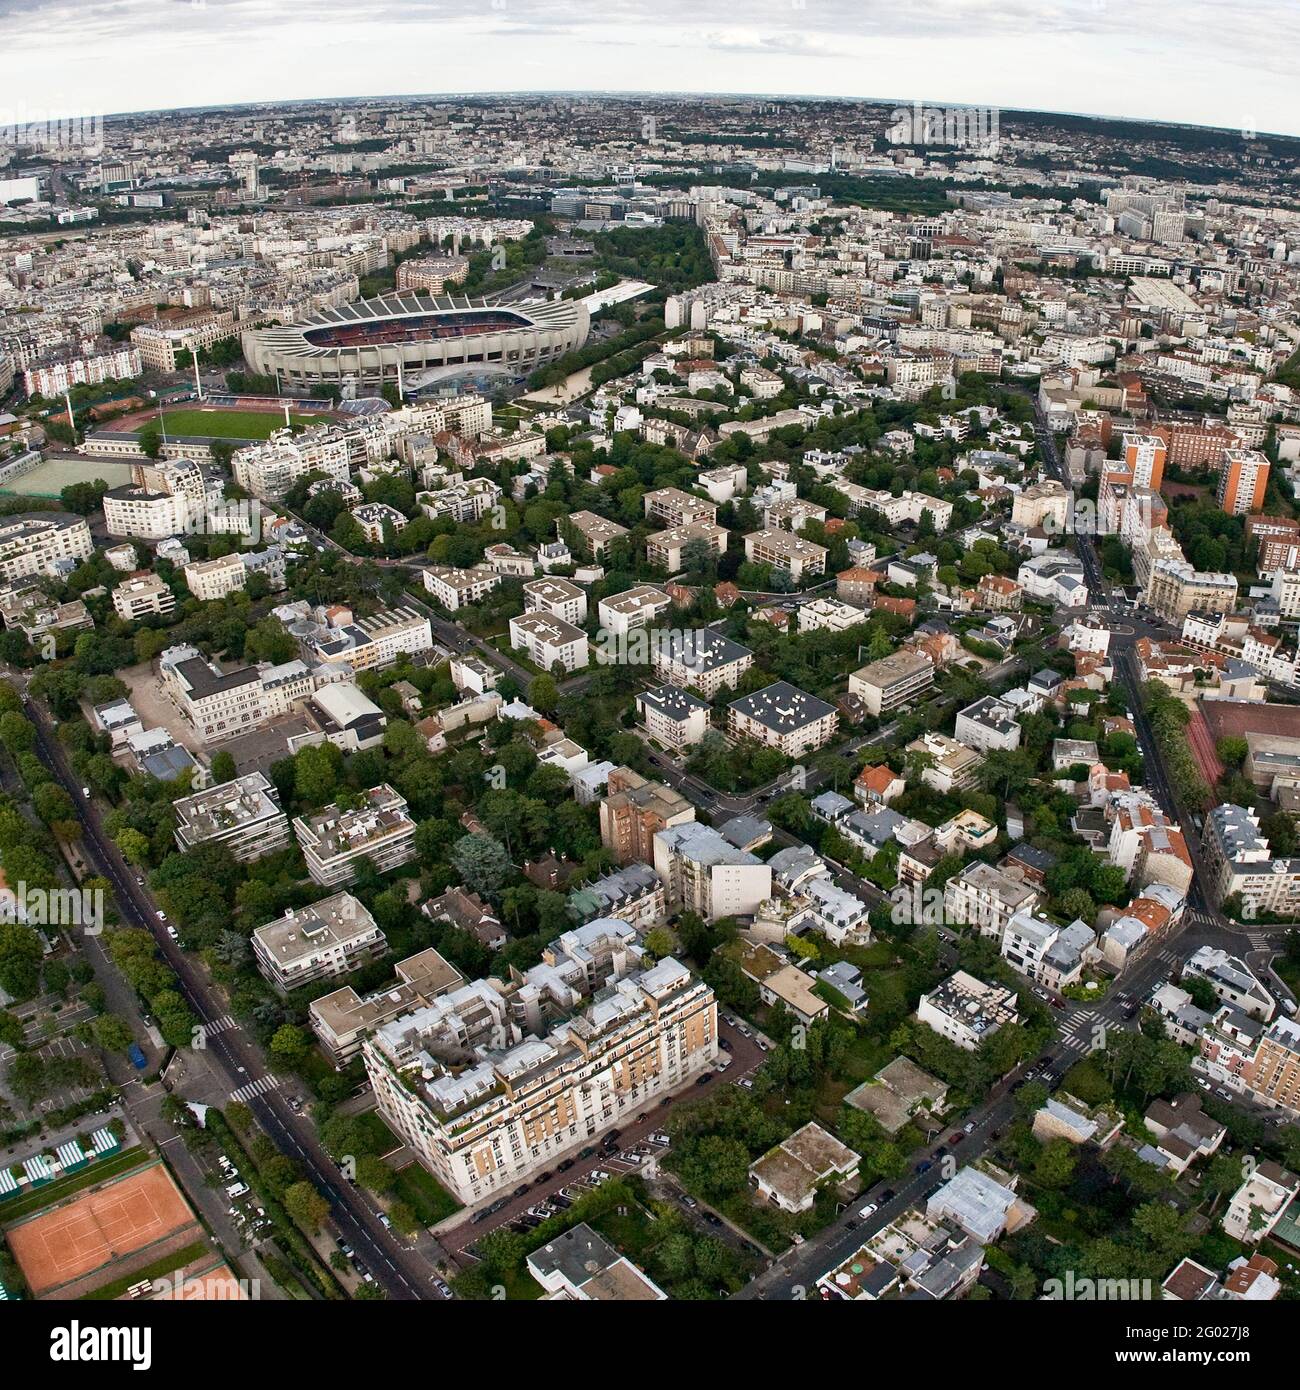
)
(233, 424)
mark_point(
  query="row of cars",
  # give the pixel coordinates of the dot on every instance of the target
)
(248, 1216)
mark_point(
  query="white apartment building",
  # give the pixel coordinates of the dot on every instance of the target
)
(330, 938)
(140, 595)
(983, 896)
(986, 724)
(366, 644)
(700, 659)
(222, 704)
(703, 873)
(549, 641)
(334, 841)
(783, 717)
(244, 815)
(966, 1011)
(43, 543)
(559, 597)
(632, 609)
(893, 681)
(672, 716)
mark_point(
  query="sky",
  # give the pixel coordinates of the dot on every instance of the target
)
(1199, 61)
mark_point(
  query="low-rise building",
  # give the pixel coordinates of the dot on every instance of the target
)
(967, 1011)
(783, 717)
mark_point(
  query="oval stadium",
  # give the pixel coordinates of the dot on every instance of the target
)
(410, 338)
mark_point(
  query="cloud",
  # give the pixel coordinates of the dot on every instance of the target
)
(1155, 58)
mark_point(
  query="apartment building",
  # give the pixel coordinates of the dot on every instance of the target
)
(986, 724)
(140, 595)
(948, 766)
(1045, 504)
(335, 841)
(342, 1020)
(633, 812)
(664, 549)
(559, 597)
(1263, 1060)
(1232, 981)
(632, 609)
(1243, 481)
(704, 873)
(966, 1011)
(221, 704)
(365, 644)
(42, 543)
(893, 681)
(1278, 539)
(829, 614)
(985, 897)
(320, 942)
(632, 894)
(511, 1108)
(1175, 589)
(1257, 1205)
(466, 501)
(454, 588)
(783, 550)
(595, 534)
(550, 642)
(271, 469)
(162, 342)
(214, 579)
(244, 815)
(783, 717)
(1044, 951)
(1239, 860)
(671, 507)
(377, 519)
(672, 716)
(700, 659)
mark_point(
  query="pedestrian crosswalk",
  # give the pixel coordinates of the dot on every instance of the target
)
(219, 1025)
(1078, 1032)
(260, 1087)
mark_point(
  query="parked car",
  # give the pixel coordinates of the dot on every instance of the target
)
(869, 1210)
(137, 1058)
(443, 1288)
(969, 1127)
(745, 1082)
(924, 1166)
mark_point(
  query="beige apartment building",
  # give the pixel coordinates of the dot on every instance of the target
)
(633, 812)
(341, 1020)
(664, 549)
(140, 595)
(213, 579)
(893, 681)
(784, 550)
(221, 704)
(519, 1103)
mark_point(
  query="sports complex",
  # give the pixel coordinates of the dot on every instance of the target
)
(429, 337)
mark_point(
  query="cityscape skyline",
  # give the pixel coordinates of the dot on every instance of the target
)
(75, 60)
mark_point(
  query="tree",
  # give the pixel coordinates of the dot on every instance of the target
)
(482, 863)
(543, 694)
(20, 959)
(112, 1033)
(150, 441)
(307, 1207)
(289, 1044)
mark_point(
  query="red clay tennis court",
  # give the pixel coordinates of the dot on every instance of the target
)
(97, 1227)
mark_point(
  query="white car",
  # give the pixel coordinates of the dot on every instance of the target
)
(869, 1210)
(746, 1083)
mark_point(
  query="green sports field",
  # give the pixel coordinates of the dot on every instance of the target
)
(233, 424)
